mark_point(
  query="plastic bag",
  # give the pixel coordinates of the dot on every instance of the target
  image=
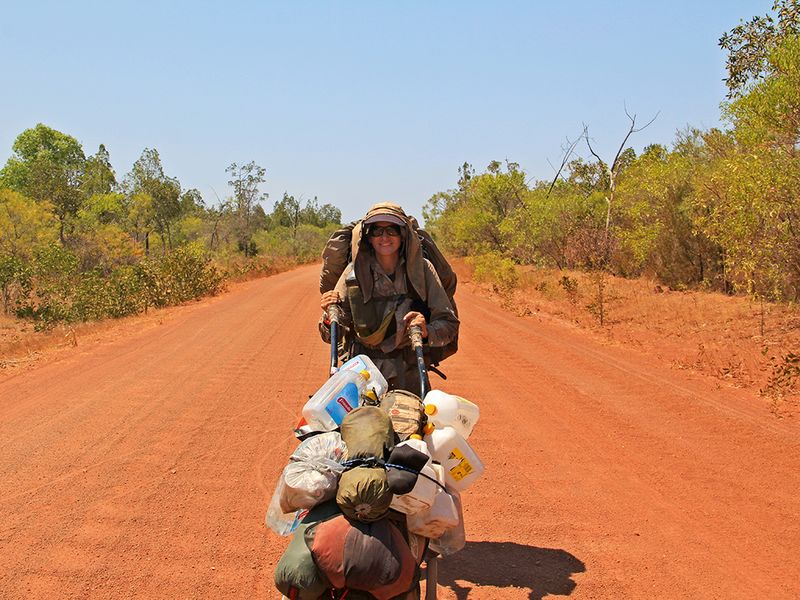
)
(454, 539)
(313, 472)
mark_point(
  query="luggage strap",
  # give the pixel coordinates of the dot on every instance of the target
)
(374, 462)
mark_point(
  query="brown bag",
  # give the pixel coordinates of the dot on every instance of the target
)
(406, 412)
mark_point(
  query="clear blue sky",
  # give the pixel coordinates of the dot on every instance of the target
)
(358, 102)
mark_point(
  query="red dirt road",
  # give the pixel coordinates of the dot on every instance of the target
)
(141, 468)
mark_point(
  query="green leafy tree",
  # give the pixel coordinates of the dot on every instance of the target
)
(47, 165)
(245, 181)
(147, 176)
(748, 198)
(750, 44)
(98, 174)
(286, 213)
(24, 225)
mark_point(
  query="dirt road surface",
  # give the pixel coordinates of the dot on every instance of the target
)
(141, 467)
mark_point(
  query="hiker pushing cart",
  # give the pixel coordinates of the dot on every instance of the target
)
(373, 490)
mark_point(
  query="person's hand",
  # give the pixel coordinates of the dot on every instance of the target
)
(328, 298)
(416, 318)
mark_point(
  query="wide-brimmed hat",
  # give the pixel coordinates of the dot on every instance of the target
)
(388, 212)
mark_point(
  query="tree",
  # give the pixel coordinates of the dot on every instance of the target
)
(749, 199)
(320, 216)
(147, 177)
(98, 174)
(286, 213)
(750, 43)
(47, 165)
(245, 180)
(24, 225)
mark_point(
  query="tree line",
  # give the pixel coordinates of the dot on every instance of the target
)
(715, 209)
(78, 243)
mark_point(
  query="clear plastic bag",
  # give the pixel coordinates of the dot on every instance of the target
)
(282, 523)
(454, 539)
(313, 472)
(310, 478)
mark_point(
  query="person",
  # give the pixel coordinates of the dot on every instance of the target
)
(388, 287)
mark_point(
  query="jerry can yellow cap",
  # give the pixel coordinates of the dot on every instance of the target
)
(430, 409)
(428, 428)
(365, 374)
(415, 436)
(371, 395)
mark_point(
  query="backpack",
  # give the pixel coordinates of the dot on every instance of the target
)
(338, 253)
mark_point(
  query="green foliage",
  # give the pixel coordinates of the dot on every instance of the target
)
(304, 244)
(24, 224)
(15, 282)
(497, 270)
(98, 175)
(147, 178)
(182, 275)
(750, 43)
(47, 166)
(469, 220)
(75, 246)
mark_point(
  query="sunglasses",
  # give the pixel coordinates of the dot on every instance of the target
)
(390, 230)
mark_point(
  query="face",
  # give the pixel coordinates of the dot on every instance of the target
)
(386, 244)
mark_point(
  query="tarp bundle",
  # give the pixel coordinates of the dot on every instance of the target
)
(364, 492)
(373, 557)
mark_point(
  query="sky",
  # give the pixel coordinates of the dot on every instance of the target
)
(357, 102)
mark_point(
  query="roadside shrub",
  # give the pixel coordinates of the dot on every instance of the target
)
(184, 274)
(15, 282)
(495, 269)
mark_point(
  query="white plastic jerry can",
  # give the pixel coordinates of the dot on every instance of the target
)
(421, 497)
(462, 467)
(362, 362)
(338, 396)
(441, 516)
(449, 410)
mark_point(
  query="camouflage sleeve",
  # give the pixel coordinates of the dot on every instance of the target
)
(443, 325)
(335, 257)
(345, 318)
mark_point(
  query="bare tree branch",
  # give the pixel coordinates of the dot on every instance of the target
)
(564, 160)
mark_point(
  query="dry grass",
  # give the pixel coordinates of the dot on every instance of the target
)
(706, 332)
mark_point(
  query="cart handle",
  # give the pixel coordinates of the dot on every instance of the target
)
(415, 333)
(334, 314)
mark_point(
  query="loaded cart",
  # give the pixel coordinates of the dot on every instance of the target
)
(373, 489)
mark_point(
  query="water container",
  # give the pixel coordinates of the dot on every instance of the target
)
(337, 397)
(445, 410)
(434, 521)
(424, 492)
(362, 362)
(461, 465)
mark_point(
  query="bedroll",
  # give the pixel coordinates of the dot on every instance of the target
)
(373, 557)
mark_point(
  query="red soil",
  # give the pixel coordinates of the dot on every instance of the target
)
(140, 465)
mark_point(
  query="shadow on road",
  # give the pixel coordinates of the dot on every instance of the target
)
(544, 571)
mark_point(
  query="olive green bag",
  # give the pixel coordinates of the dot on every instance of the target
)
(363, 492)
